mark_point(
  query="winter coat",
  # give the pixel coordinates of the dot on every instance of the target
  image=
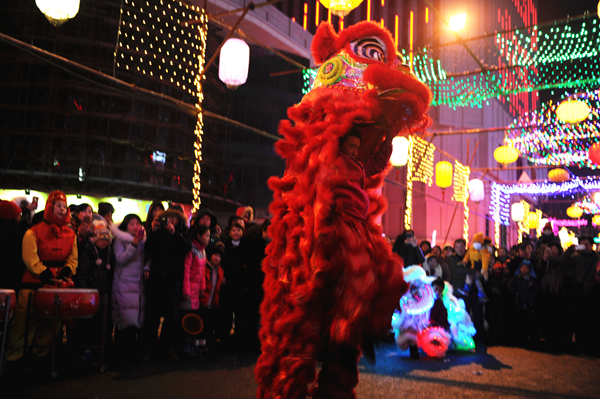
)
(47, 246)
(128, 297)
(167, 252)
(525, 291)
(94, 270)
(193, 276)
(10, 248)
(205, 295)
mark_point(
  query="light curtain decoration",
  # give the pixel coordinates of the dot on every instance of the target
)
(155, 41)
(524, 223)
(419, 168)
(546, 140)
(461, 193)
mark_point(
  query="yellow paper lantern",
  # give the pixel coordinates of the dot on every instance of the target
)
(574, 212)
(532, 220)
(517, 212)
(559, 175)
(341, 8)
(400, 152)
(505, 155)
(596, 220)
(573, 111)
(58, 11)
(443, 174)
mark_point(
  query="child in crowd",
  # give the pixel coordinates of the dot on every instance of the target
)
(128, 290)
(194, 282)
(209, 298)
(232, 296)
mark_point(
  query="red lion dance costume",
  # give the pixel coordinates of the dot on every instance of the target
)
(332, 281)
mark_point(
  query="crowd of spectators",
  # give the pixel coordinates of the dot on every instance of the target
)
(150, 273)
(534, 295)
(154, 272)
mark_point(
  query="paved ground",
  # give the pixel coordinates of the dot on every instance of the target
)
(501, 373)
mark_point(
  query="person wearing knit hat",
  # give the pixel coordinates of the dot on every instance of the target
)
(49, 252)
(9, 210)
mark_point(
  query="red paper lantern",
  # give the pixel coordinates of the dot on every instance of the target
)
(594, 153)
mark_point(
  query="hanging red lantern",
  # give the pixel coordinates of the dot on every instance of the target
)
(594, 153)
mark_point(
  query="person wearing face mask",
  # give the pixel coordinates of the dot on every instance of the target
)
(548, 236)
(406, 247)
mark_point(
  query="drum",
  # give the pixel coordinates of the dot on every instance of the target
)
(5, 293)
(74, 303)
(192, 324)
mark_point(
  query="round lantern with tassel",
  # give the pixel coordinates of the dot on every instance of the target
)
(505, 155)
(443, 176)
(573, 111)
(596, 220)
(58, 12)
(558, 175)
(233, 63)
(594, 153)
(400, 152)
(533, 220)
(574, 212)
(341, 8)
(476, 190)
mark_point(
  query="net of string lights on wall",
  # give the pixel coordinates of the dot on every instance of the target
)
(154, 41)
(546, 140)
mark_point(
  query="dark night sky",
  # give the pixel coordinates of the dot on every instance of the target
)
(550, 10)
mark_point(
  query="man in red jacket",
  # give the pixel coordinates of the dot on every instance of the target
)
(49, 252)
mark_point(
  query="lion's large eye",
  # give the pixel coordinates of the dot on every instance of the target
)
(369, 47)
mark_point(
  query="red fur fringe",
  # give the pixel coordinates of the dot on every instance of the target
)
(329, 278)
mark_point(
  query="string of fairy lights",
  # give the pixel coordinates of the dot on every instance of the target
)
(568, 44)
(523, 225)
(155, 42)
(589, 205)
(418, 168)
(547, 140)
(460, 183)
(501, 194)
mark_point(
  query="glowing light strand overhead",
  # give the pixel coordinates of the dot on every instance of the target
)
(501, 193)
(588, 205)
(546, 140)
(418, 168)
(560, 57)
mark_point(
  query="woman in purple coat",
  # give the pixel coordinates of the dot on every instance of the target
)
(131, 269)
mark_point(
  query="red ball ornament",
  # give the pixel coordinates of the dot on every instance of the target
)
(594, 153)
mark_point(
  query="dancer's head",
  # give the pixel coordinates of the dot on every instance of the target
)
(350, 143)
